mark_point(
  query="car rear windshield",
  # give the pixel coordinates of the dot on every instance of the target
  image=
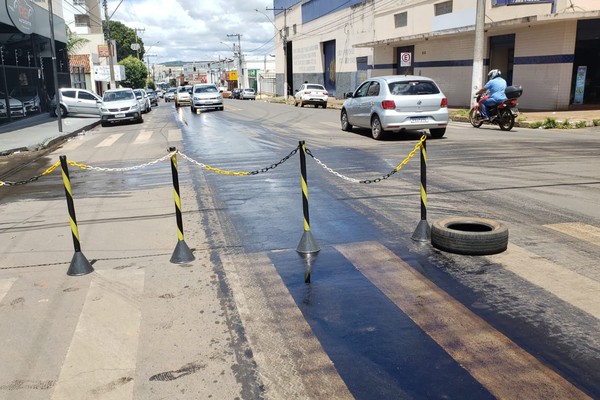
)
(315, 87)
(117, 96)
(412, 88)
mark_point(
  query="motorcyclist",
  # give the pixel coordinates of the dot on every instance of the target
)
(496, 85)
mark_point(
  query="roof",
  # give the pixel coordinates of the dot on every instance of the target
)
(80, 60)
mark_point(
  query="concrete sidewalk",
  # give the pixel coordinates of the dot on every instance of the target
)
(41, 131)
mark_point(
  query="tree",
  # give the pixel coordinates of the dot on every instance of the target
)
(135, 71)
(124, 37)
(74, 41)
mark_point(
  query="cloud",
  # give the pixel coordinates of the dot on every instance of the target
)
(192, 30)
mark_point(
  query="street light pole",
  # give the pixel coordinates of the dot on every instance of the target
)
(110, 48)
(55, 72)
(476, 79)
(284, 33)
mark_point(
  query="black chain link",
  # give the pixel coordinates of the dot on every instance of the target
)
(16, 183)
(273, 166)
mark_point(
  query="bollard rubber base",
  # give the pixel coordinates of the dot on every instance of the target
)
(423, 232)
(79, 265)
(182, 253)
(308, 244)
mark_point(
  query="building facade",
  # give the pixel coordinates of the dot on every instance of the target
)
(549, 47)
(26, 68)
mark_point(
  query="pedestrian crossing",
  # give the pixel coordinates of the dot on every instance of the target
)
(103, 352)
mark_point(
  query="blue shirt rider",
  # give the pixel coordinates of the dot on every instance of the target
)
(496, 86)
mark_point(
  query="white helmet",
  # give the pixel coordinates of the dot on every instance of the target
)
(494, 73)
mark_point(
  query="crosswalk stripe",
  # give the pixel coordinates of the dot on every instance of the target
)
(110, 140)
(505, 369)
(143, 137)
(579, 230)
(102, 355)
(291, 361)
(5, 285)
(174, 135)
(578, 290)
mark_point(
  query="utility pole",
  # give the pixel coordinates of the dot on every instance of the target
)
(240, 59)
(137, 45)
(54, 72)
(284, 36)
(110, 47)
(476, 79)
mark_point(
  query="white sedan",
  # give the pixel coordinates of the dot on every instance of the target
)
(311, 93)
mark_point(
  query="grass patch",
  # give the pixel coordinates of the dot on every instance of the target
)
(551, 123)
(596, 122)
(460, 113)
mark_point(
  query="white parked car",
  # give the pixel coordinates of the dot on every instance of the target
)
(248, 94)
(120, 105)
(311, 93)
(16, 107)
(76, 101)
(144, 100)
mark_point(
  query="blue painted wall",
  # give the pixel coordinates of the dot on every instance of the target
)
(314, 9)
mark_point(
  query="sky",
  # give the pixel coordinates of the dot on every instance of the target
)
(192, 30)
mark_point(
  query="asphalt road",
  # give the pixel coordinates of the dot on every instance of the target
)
(384, 316)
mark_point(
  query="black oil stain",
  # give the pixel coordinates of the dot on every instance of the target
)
(17, 301)
(31, 385)
(71, 289)
(112, 385)
(187, 369)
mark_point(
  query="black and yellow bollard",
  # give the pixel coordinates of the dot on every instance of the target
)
(79, 264)
(423, 231)
(182, 253)
(308, 244)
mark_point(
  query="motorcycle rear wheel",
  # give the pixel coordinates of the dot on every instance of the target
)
(475, 118)
(506, 120)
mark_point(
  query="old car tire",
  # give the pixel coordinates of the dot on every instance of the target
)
(376, 129)
(345, 123)
(437, 133)
(469, 236)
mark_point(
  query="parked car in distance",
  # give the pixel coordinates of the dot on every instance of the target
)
(235, 93)
(395, 103)
(120, 105)
(183, 96)
(15, 105)
(311, 93)
(170, 94)
(143, 99)
(75, 101)
(153, 96)
(248, 94)
(28, 95)
(206, 96)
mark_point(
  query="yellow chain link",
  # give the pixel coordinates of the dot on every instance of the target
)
(51, 169)
(223, 172)
(76, 164)
(411, 154)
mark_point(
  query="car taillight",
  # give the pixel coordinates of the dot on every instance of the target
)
(307, 92)
(388, 104)
(444, 103)
(326, 94)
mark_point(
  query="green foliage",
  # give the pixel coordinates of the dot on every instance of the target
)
(135, 71)
(74, 41)
(580, 124)
(124, 37)
(596, 122)
(173, 82)
(551, 123)
(150, 84)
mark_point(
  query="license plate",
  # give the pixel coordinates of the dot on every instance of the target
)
(418, 120)
(120, 116)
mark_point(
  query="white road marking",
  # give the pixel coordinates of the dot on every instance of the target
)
(101, 360)
(5, 285)
(501, 366)
(174, 135)
(579, 230)
(143, 137)
(109, 141)
(578, 290)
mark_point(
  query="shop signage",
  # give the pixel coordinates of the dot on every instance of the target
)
(102, 73)
(21, 13)
(579, 85)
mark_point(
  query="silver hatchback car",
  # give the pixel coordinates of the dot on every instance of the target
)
(205, 96)
(396, 103)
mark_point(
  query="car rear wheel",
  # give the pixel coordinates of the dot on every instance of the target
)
(345, 123)
(437, 133)
(377, 130)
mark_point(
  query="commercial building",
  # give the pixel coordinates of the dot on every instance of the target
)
(550, 47)
(26, 67)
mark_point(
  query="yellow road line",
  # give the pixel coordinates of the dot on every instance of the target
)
(578, 230)
(569, 286)
(501, 366)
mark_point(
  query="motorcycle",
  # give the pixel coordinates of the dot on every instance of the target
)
(502, 114)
